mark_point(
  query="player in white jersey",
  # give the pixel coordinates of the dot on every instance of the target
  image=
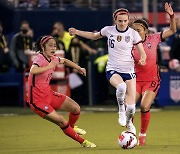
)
(120, 65)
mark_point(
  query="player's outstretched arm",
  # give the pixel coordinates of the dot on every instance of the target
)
(142, 60)
(37, 70)
(172, 28)
(85, 34)
(73, 65)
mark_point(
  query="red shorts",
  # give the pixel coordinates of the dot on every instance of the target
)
(49, 104)
(147, 86)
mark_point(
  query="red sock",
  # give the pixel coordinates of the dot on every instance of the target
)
(68, 130)
(145, 118)
(73, 118)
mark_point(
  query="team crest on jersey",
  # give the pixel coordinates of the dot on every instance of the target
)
(127, 39)
(119, 38)
(175, 88)
(149, 45)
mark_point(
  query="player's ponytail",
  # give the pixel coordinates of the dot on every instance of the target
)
(37, 46)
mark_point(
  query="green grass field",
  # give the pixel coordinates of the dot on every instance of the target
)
(28, 133)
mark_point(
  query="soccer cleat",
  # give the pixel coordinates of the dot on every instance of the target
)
(79, 130)
(88, 144)
(131, 128)
(122, 119)
(142, 139)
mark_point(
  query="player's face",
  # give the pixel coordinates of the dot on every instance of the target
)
(141, 30)
(50, 48)
(122, 22)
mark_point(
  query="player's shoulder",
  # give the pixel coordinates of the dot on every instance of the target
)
(109, 28)
(154, 36)
(132, 30)
(39, 57)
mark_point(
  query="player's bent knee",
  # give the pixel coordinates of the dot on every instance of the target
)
(121, 87)
(76, 109)
(144, 108)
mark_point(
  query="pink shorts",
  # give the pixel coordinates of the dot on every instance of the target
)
(49, 104)
(147, 86)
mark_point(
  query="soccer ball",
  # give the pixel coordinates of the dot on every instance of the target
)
(174, 64)
(127, 140)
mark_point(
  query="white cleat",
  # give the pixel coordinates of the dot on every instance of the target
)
(131, 128)
(122, 119)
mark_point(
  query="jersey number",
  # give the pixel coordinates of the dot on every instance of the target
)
(111, 43)
(153, 84)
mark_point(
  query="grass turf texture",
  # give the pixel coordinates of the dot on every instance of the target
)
(31, 134)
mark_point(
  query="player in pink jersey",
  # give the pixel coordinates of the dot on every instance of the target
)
(43, 101)
(148, 79)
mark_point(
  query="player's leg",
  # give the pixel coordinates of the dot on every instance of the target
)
(130, 104)
(117, 82)
(146, 101)
(67, 129)
(150, 90)
(60, 101)
(73, 108)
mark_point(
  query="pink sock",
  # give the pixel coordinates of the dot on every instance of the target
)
(73, 118)
(145, 118)
(68, 130)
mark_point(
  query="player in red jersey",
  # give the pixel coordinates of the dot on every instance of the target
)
(148, 79)
(43, 101)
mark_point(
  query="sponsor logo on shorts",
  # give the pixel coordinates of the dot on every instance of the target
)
(112, 72)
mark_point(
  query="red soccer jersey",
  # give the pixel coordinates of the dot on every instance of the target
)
(148, 72)
(38, 85)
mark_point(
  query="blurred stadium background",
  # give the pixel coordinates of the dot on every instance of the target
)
(90, 15)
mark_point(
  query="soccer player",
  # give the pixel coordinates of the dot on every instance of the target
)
(43, 101)
(120, 66)
(148, 78)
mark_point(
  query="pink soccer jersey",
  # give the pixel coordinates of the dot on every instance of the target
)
(150, 71)
(38, 85)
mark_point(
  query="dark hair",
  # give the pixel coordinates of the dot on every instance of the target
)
(41, 41)
(24, 22)
(142, 21)
(120, 11)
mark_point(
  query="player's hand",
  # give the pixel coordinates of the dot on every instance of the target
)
(142, 60)
(168, 8)
(72, 31)
(82, 71)
(54, 62)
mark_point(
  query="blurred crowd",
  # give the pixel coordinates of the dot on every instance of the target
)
(132, 5)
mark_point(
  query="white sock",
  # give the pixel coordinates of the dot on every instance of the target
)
(120, 95)
(130, 111)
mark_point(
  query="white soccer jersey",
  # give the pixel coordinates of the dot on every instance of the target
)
(120, 44)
